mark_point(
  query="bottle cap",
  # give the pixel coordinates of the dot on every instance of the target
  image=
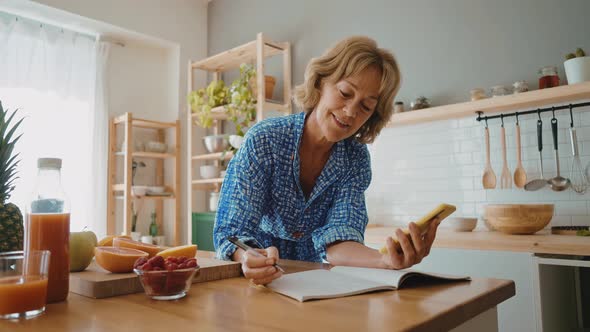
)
(49, 163)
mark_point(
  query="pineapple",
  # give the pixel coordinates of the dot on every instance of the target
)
(11, 219)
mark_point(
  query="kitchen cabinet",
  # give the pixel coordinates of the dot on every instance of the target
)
(256, 52)
(123, 190)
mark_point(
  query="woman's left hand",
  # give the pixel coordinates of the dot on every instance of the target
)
(414, 247)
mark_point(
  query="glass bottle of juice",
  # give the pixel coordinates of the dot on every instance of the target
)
(48, 226)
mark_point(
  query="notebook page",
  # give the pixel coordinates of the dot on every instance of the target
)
(382, 276)
(321, 284)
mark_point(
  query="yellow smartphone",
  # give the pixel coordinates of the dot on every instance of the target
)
(441, 212)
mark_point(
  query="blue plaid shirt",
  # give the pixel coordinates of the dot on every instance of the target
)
(262, 202)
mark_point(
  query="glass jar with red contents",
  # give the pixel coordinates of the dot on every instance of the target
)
(549, 78)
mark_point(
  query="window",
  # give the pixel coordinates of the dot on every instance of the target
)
(55, 78)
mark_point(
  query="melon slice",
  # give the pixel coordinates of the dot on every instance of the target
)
(108, 240)
(151, 249)
(187, 251)
(117, 260)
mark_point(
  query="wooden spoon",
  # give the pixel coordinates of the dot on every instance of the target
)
(489, 177)
(519, 172)
(505, 178)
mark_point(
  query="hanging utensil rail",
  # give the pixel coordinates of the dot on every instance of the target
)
(536, 111)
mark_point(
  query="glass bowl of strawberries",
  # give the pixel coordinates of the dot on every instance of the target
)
(166, 278)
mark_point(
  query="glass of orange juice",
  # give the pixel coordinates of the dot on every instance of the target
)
(23, 283)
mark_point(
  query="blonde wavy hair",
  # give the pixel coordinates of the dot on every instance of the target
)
(347, 58)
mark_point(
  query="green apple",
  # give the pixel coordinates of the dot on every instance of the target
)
(81, 250)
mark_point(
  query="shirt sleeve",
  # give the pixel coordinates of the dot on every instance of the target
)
(347, 218)
(243, 194)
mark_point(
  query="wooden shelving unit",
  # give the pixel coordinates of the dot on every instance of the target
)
(526, 100)
(255, 51)
(123, 191)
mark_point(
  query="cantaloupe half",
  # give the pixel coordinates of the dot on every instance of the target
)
(151, 249)
(117, 260)
(108, 240)
(189, 251)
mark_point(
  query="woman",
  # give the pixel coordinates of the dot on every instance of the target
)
(296, 186)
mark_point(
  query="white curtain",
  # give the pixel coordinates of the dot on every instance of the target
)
(100, 131)
(56, 79)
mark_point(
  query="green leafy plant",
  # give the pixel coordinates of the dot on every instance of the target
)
(577, 54)
(11, 219)
(203, 100)
(241, 108)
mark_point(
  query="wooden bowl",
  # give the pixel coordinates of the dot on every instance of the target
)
(518, 218)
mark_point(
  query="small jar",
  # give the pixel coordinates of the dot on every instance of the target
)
(549, 77)
(420, 103)
(398, 107)
(520, 86)
(213, 201)
(499, 90)
(477, 94)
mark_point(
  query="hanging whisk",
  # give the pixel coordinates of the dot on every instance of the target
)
(577, 175)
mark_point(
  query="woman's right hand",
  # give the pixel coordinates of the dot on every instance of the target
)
(260, 269)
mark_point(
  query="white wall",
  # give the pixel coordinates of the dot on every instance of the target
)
(416, 167)
(444, 49)
(148, 75)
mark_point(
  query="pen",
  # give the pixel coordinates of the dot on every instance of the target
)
(246, 247)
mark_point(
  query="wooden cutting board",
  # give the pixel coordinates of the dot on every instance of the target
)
(98, 283)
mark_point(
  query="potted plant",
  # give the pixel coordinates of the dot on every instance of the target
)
(241, 108)
(577, 67)
(203, 100)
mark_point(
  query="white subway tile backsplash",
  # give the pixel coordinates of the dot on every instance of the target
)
(416, 167)
(561, 221)
(580, 221)
(571, 208)
(585, 118)
(462, 158)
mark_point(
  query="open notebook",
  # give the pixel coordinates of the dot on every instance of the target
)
(345, 281)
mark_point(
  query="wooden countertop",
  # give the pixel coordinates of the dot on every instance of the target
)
(234, 305)
(541, 242)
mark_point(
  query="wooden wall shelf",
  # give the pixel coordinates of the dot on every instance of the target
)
(123, 191)
(525, 101)
(143, 154)
(214, 156)
(254, 52)
(233, 58)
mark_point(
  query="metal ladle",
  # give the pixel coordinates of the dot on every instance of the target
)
(558, 183)
(537, 184)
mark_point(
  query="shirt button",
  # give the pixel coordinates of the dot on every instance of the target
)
(297, 235)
